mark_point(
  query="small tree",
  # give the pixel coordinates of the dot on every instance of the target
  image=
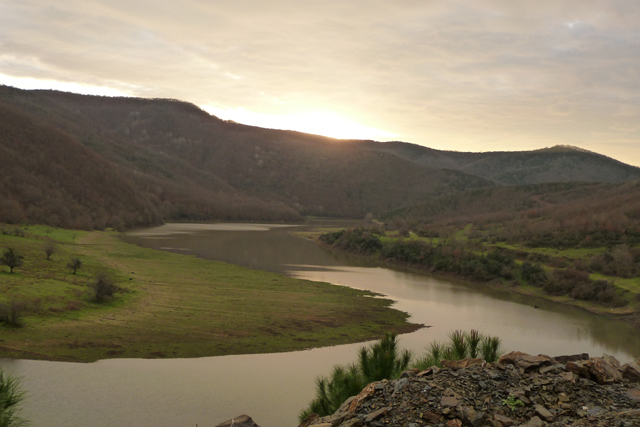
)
(103, 288)
(74, 264)
(49, 249)
(11, 259)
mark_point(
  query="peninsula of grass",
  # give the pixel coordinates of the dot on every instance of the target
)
(170, 305)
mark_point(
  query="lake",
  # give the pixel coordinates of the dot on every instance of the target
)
(273, 388)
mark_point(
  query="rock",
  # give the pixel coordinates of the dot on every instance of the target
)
(611, 360)
(471, 417)
(572, 358)
(354, 422)
(534, 422)
(409, 373)
(432, 417)
(631, 371)
(553, 368)
(240, 421)
(634, 394)
(503, 421)
(475, 397)
(464, 363)
(449, 401)
(543, 412)
(400, 385)
(604, 372)
(525, 361)
(454, 423)
(580, 368)
(375, 415)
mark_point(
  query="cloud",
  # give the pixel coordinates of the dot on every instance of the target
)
(489, 74)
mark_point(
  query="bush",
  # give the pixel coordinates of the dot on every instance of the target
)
(10, 398)
(462, 345)
(382, 360)
(11, 314)
(103, 288)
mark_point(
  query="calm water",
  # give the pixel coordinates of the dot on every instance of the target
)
(272, 388)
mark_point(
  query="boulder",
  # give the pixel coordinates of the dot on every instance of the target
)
(571, 358)
(580, 368)
(240, 421)
(503, 421)
(631, 371)
(604, 372)
(525, 361)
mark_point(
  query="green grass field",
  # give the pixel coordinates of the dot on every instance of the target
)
(171, 305)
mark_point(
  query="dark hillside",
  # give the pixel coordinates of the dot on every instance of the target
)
(195, 166)
(49, 177)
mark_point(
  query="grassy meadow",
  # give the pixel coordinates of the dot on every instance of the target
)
(169, 305)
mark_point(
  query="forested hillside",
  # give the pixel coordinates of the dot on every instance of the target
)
(93, 162)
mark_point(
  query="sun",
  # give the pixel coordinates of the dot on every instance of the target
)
(316, 122)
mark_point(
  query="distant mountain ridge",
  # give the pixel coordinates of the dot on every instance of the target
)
(547, 165)
(89, 161)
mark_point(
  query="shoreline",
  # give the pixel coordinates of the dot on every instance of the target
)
(628, 316)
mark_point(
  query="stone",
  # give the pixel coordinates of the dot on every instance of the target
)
(611, 360)
(604, 372)
(375, 415)
(634, 394)
(454, 423)
(503, 421)
(464, 363)
(543, 412)
(240, 421)
(408, 373)
(432, 417)
(580, 368)
(449, 401)
(552, 368)
(400, 385)
(571, 358)
(534, 422)
(353, 422)
(631, 371)
(471, 417)
(525, 361)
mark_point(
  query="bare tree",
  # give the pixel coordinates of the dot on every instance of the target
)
(49, 249)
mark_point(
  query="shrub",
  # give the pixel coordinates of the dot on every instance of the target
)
(74, 264)
(10, 398)
(461, 345)
(11, 314)
(382, 360)
(103, 288)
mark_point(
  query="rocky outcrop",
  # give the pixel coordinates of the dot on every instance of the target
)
(519, 390)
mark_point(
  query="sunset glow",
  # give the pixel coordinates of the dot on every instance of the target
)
(318, 123)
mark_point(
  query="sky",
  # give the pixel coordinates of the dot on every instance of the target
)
(465, 75)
